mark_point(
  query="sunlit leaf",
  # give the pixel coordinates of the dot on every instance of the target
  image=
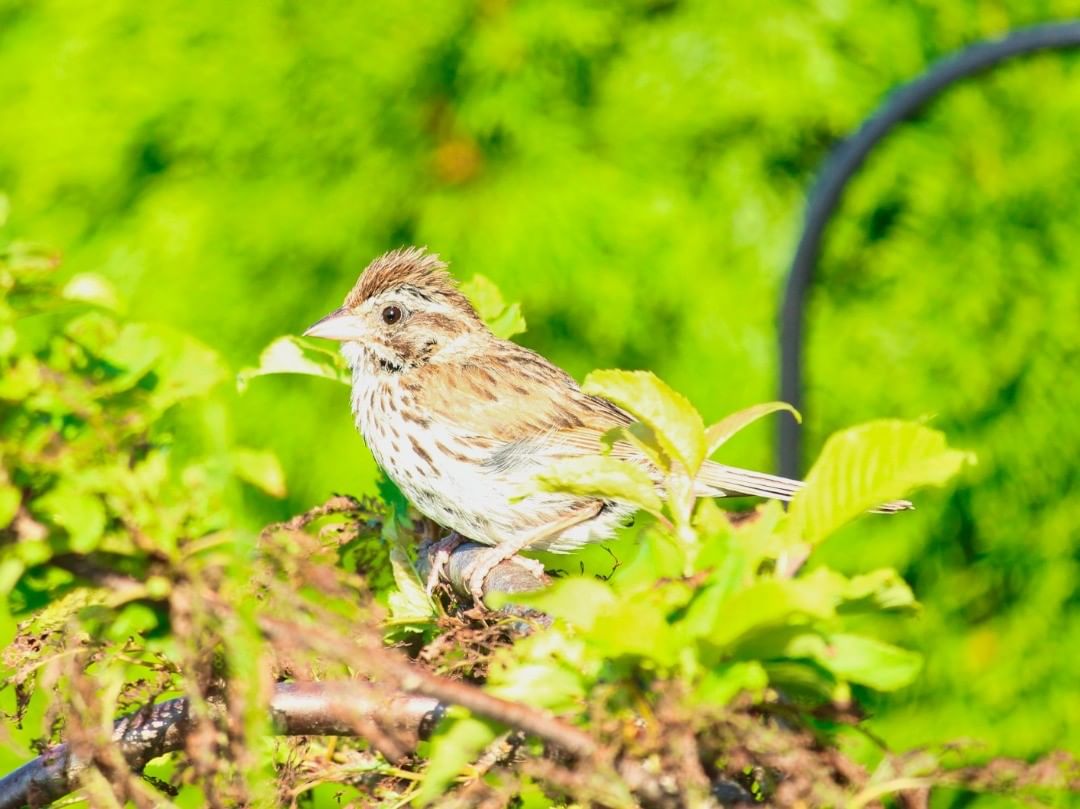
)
(880, 590)
(92, 288)
(638, 628)
(134, 353)
(297, 355)
(508, 322)
(723, 683)
(870, 662)
(640, 436)
(770, 602)
(9, 504)
(718, 434)
(678, 426)
(504, 320)
(601, 476)
(410, 602)
(260, 468)
(545, 684)
(457, 742)
(79, 513)
(866, 466)
(576, 600)
(187, 369)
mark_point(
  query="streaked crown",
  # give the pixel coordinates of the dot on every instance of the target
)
(411, 270)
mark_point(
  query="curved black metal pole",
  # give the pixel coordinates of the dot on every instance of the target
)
(842, 165)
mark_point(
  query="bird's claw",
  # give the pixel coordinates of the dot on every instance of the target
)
(440, 557)
(477, 572)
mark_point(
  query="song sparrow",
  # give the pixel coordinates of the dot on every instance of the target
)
(462, 420)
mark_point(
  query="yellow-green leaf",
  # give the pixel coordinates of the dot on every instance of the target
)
(578, 601)
(641, 436)
(866, 466)
(297, 355)
(92, 288)
(550, 684)
(722, 684)
(504, 320)
(771, 602)
(600, 476)
(410, 602)
(870, 662)
(260, 468)
(878, 590)
(457, 742)
(718, 434)
(79, 513)
(678, 426)
(9, 504)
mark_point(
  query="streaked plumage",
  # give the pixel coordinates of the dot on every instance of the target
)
(461, 420)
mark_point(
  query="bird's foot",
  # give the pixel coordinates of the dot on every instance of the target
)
(477, 571)
(440, 556)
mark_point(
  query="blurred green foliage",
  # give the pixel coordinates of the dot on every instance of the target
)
(633, 173)
(130, 582)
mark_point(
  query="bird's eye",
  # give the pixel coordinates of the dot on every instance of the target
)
(391, 315)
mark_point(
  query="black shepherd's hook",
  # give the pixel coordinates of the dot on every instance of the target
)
(842, 165)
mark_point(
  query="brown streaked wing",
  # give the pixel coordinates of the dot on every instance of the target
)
(510, 393)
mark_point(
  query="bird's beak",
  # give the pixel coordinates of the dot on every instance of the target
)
(341, 325)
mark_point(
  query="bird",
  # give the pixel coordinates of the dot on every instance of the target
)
(462, 421)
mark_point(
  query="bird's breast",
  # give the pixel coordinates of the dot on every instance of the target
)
(470, 484)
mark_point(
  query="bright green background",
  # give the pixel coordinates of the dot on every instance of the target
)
(633, 173)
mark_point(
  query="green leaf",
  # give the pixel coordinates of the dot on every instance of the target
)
(92, 288)
(678, 426)
(578, 601)
(546, 684)
(600, 476)
(457, 742)
(11, 570)
(636, 627)
(641, 436)
(187, 369)
(184, 368)
(720, 685)
(508, 323)
(81, 514)
(297, 355)
(870, 662)
(866, 466)
(504, 320)
(260, 468)
(9, 504)
(718, 434)
(771, 602)
(409, 603)
(132, 620)
(879, 590)
(135, 351)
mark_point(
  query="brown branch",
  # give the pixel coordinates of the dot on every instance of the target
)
(298, 709)
(533, 721)
(369, 655)
(515, 575)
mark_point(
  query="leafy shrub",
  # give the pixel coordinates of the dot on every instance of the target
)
(634, 171)
(706, 653)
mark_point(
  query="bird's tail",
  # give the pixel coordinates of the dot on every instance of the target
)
(717, 480)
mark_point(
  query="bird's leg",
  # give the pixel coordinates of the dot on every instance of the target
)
(440, 555)
(476, 573)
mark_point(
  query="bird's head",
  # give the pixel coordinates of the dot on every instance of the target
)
(404, 311)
